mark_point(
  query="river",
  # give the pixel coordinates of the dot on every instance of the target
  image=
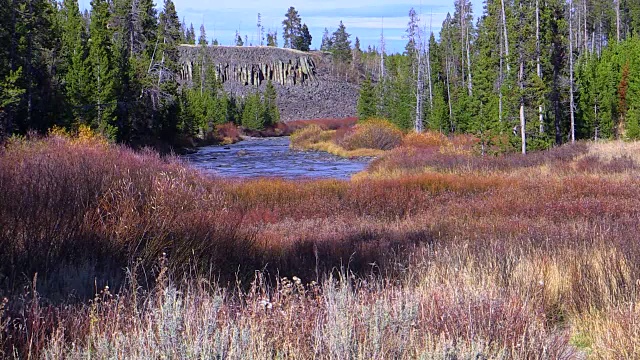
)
(272, 157)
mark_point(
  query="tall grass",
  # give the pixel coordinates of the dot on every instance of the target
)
(434, 253)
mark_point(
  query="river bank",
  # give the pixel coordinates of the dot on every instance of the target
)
(272, 157)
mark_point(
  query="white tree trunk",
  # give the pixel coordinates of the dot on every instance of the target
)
(506, 37)
(617, 20)
(571, 105)
(500, 80)
(419, 87)
(428, 47)
(469, 82)
(523, 127)
(539, 66)
(382, 51)
(462, 43)
(449, 93)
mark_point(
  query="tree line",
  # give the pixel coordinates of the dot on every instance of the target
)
(113, 68)
(527, 74)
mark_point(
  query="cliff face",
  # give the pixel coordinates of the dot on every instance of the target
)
(306, 90)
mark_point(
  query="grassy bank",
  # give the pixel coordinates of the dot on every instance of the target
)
(433, 252)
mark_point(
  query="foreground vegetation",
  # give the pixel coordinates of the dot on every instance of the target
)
(433, 252)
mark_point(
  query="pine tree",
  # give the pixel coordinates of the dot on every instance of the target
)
(10, 96)
(341, 46)
(238, 39)
(271, 113)
(74, 51)
(302, 42)
(367, 100)
(412, 32)
(202, 39)
(166, 90)
(103, 98)
(252, 113)
(327, 41)
(291, 26)
(272, 39)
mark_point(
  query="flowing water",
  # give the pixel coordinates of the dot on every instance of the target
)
(272, 157)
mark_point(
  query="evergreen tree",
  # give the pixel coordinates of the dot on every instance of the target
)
(341, 46)
(272, 39)
(146, 33)
(327, 41)
(239, 41)
(103, 98)
(302, 42)
(271, 113)
(252, 113)
(202, 40)
(74, 52)
(367, 100)
(190, 36)
(291, 26)
(166, 91)
(10, 96)
(412, 32)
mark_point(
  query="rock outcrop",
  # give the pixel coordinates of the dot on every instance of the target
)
(306, 90)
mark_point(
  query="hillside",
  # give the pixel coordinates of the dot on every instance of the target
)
(306, 89)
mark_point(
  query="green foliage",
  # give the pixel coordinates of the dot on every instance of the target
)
(291, 28)
(202, 39)
(10, 92)
(340, 44)
(327, 41)
(239, 41)
(367, 101)
(102, 79)
(302, 42)
(271, 111)
(253, 112)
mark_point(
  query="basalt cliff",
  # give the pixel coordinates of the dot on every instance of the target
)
(304, 81)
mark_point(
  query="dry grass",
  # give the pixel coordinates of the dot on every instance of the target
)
(434, 253)
(370, 139)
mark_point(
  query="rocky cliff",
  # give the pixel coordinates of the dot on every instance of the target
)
(306, 90)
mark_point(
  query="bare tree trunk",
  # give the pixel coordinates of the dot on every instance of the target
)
(500, 80)
(462, 42)
(617, 20)
(586, 34)
(29, 72)
(469, 82)
(449, 93)
(506, 37)
(382, 51)
(523, 130)
(99, 94)
(428, 47)
(571, 105)
(202, 74)
(419, 86)
(539, 66)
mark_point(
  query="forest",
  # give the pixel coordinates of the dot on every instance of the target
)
(111, 68)
(519, 75)
(526, 75)
(457, 241)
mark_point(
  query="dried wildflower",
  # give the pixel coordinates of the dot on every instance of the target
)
(266, 304)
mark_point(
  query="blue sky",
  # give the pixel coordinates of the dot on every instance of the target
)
(363, 18)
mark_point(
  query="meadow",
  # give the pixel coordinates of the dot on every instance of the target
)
(434, 252)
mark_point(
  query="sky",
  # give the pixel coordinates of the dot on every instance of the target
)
(362, 18)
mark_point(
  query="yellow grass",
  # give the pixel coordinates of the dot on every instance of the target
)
(608, 150)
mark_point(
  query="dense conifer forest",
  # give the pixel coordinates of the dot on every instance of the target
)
(519, 75)
(527, 74)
